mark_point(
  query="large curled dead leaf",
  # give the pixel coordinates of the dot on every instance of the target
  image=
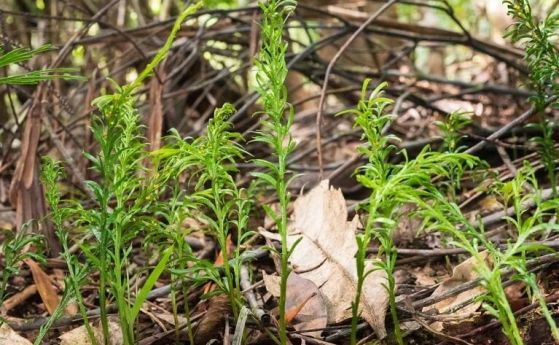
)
(213, 320)
(326, 256)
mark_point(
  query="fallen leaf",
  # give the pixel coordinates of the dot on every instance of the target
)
(516, 296)
(44, 286)
(9, 337)
(490, 204)
(461, 274)
(26, 192)
(305, 307)
(408, 225)
(155, 122)
(79, 335)
(272, 283)
(219, 259)
(213, 320)
(424, 276)
(326, 256)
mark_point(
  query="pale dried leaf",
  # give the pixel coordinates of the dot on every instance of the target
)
(461, 274)
(44, 286)
(408, 225)
(79, 335)
(427, 276)
(326, 256)
(272, 283)
(9, 337)
(490, 204)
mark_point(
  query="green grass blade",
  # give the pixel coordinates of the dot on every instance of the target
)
(150, 282)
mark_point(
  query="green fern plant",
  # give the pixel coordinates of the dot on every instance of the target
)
(22, 55)
(169, 164)
(210, 162)
(77, 272)
(451, 129)
(542, 56)
(391, 185)
(14, 251)
(270, 78)
(124, 196)
(445, 216)
(215, 155)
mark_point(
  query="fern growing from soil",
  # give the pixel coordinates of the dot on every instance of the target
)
(15, 247)
(77, 272)
(270, 77)
(391, 185)
(123, 198)
(539, 39)
(444, 216)
(14, 252)
(210, 161)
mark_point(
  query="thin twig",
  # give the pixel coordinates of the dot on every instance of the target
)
(327, 76)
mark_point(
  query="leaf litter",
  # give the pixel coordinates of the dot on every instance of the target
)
(325, 254)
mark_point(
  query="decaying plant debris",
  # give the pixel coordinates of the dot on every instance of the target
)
(278, 172)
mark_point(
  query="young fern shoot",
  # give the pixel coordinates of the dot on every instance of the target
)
(124, 195)
(391, 185)
(77, 272)
(443, 216)
(371, 118)
(216, 154)
(542, 56)
(270, 78)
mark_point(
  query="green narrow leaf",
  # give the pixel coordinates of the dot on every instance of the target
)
(150, 282)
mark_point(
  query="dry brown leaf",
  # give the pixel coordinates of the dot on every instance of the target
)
(424, 279)
(9, 337)
(516, 295)
(213, 320)
(490, 204)
(326, 256)
(79, 335)
(44, 286)
(408, 225)
(305, 307)
(272, 283)
(461, 274)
